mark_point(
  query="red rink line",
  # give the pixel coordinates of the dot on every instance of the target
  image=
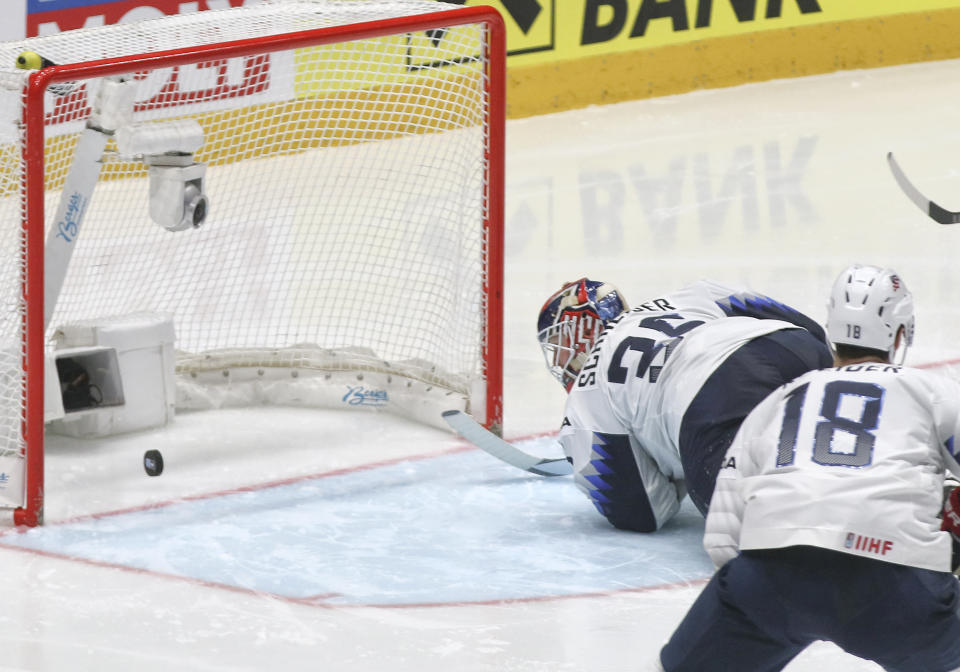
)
(317, 600)
(543, 598)
(463, 447)
(935, 365)
(251, 488)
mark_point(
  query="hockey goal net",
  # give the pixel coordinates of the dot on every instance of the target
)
(349, 215)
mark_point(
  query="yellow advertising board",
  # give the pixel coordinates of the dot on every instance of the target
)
(570, 53)
(550, 30)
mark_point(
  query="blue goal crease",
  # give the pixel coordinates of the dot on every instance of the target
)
(456, 528)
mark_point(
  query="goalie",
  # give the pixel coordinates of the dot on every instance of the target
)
(657, 394)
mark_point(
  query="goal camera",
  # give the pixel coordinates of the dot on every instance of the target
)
(177, 198)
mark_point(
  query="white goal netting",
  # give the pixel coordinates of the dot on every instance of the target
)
(347, 179)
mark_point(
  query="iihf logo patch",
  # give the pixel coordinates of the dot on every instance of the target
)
(859, 542)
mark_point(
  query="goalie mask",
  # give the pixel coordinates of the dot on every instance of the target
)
(570, 322)
(868, 307)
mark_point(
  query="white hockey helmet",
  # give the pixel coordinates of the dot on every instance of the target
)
(868, 307)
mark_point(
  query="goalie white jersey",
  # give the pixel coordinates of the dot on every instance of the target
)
(630, 396)
(850, 459)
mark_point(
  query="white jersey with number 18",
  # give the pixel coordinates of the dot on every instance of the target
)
(850, 459)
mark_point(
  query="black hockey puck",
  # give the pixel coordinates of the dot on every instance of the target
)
(153, 463)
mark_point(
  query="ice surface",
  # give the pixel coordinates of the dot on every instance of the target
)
(320, 540)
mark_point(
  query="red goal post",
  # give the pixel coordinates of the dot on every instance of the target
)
(350, 235)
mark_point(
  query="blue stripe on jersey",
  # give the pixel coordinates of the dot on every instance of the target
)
(601, 466)
(599, 499)
(765, 308)
(755, 305)
(615, 486)
(599, 484)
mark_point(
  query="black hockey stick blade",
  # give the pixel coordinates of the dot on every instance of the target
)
(487, 441)
(934, 211)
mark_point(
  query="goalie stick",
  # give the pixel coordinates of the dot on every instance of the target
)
(487, 441)
(935, 212)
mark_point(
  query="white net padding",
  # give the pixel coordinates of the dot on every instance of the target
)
(348, 188)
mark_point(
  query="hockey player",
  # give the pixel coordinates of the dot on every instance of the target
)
(657, 393)
(824, 522)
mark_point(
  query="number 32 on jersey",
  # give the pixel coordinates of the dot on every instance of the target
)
(654, 352)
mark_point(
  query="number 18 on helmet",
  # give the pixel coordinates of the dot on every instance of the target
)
(870, 307)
